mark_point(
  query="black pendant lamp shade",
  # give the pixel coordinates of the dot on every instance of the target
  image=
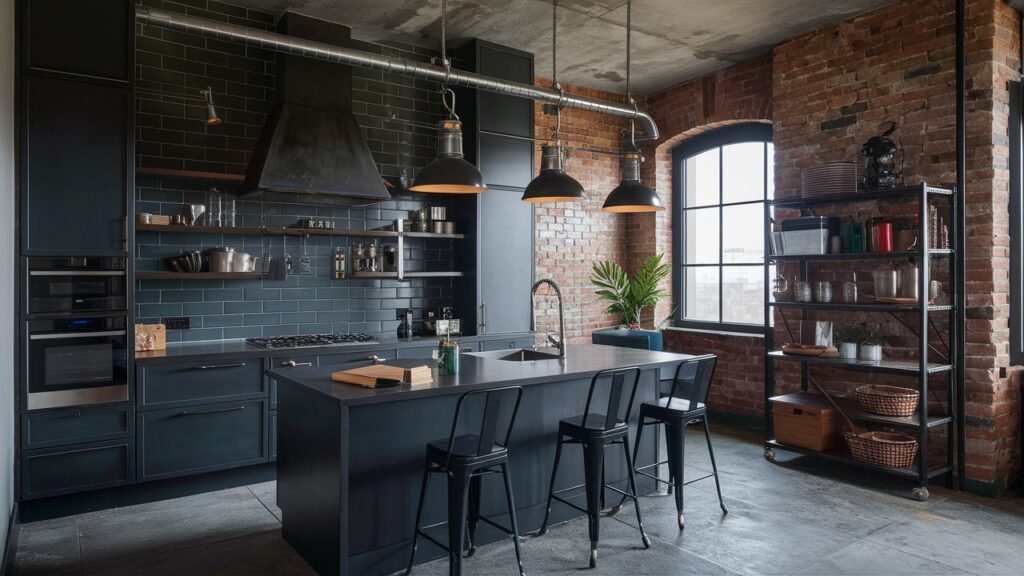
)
(552, 184)
(632, 195)
(449, 173)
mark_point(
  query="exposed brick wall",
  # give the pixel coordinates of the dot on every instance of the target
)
(828, 91)
(739, 373)
(570, 237)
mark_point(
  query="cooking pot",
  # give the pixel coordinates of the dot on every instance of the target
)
(243, 262)
(220, 259)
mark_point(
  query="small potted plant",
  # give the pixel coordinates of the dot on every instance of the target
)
(630, 297)
(846, 336)
(871, 344)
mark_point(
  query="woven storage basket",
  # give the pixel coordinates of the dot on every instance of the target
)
(882, 448)
(888, 400)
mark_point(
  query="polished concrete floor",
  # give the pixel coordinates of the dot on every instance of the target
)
(793, 517)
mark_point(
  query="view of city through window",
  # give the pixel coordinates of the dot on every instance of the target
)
(723, 190)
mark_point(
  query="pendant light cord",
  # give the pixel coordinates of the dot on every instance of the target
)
(629, 62)
(554, 71)
(445, 90)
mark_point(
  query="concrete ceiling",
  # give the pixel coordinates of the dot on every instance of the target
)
(673, 40)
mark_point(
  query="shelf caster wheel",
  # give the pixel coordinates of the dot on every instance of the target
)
(769, 454)
(682, 525)
(647, 542)
(593, 555)
(920, 493)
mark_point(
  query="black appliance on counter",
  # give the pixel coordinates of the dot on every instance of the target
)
(77, 347)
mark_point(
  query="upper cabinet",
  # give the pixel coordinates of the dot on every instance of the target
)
(77, 126)
(91, 38)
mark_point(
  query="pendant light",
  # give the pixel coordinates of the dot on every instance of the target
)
(631, 195)
(449, 173)
(553, 184)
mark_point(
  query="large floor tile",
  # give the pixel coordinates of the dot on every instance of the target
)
(266, 492)
(148, 529)
(864, 558)
(48, 547)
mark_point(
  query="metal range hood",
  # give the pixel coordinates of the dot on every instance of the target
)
(311, 143)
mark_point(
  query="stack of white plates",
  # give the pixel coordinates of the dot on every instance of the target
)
(828, 179)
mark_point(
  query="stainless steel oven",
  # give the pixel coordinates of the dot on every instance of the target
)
(61, 285)
(77, 361)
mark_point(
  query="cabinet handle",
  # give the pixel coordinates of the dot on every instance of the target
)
(216, 411)
(70, 335)
(75, 414)
(483, 315)
(294, 364)
(218, 366)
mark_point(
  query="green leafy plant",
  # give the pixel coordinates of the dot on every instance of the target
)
(629, 298)
(849, 333)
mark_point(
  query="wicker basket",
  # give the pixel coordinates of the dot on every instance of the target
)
(888, 400)
(882, 448)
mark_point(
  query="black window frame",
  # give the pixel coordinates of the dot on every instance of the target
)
(716, 138)
(1016, 166)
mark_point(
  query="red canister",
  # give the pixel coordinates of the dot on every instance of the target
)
(884, 234)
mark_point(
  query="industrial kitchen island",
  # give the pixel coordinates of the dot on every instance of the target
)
(351, 459)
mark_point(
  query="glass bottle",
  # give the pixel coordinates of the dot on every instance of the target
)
(214, 204)
(850, 290)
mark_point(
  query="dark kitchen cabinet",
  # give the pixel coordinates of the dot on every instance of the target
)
(92, 38)
(47, 428)
(185, 383)
(77, 167)
(77, 468)
(498, 136)
(201, 438)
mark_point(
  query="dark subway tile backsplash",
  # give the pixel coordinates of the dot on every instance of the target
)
(396, 114)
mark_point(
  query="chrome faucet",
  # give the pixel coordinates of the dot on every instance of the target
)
(560, 343)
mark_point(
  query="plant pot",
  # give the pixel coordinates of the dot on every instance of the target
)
(871, 352)
(848, 350)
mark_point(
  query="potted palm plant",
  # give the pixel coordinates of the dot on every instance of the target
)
(626, 297)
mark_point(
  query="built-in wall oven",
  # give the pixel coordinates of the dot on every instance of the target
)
(61, 285)
(77, 348)
(77, 361)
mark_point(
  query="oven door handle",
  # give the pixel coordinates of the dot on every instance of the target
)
(69, 335)
(77, 273)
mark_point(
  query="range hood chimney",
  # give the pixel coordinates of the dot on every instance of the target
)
(311, 143)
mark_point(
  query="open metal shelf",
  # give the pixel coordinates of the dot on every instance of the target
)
(904, 193)
(842, 306)
(251, 231)
(852, 408)
(886, 366)
(843, 455)
(858, 256)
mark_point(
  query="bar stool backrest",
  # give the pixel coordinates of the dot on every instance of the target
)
(621, 382)
(693, 379)
(494, 401)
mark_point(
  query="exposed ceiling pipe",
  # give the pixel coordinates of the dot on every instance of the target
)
(317, 50)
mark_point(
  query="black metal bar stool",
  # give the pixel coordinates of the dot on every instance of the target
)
(686, 402)
(595, 432)
(465, 459)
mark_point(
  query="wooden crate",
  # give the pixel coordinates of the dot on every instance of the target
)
(803, 426)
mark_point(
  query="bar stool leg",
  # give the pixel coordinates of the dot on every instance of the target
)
(636, 449)
(632, 490)
(474, 515)
(676, 435)
(593, 465)
(512, 517)
(458, 496)
(419, 517)
(714, 467)
(551, 490)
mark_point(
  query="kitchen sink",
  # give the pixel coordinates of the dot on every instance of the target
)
(528, 355)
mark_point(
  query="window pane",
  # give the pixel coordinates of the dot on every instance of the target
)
(743, 294)
(742, 172)
(700, 288)
(771, 170)
(743, 234)
(701, 185)
(700, 238)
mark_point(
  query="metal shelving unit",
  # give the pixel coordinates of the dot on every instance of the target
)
(922, 368)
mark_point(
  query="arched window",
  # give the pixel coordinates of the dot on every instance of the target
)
(721, 182)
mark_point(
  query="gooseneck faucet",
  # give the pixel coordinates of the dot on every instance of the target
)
(560, 343)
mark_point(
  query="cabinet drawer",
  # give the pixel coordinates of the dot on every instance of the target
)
(77, 468)
(353, 357)
(273, 435)
(59, 427)
(425, 352)
(166, 385)
(507, 344)
(195, 439)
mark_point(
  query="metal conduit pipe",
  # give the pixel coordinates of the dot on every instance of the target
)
(275, 42)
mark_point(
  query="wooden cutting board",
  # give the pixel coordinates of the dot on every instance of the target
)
(382, 375)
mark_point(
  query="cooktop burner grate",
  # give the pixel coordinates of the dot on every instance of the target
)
(312, 340)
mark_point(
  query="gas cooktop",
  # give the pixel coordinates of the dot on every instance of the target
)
(312, 340)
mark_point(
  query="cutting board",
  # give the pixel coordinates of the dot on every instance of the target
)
(150, 337)
(383, 375)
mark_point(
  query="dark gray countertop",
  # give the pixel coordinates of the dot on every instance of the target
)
(480, 371)
(220, 349)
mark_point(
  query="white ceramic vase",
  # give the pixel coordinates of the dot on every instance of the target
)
(871, 352)
(848, 350)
